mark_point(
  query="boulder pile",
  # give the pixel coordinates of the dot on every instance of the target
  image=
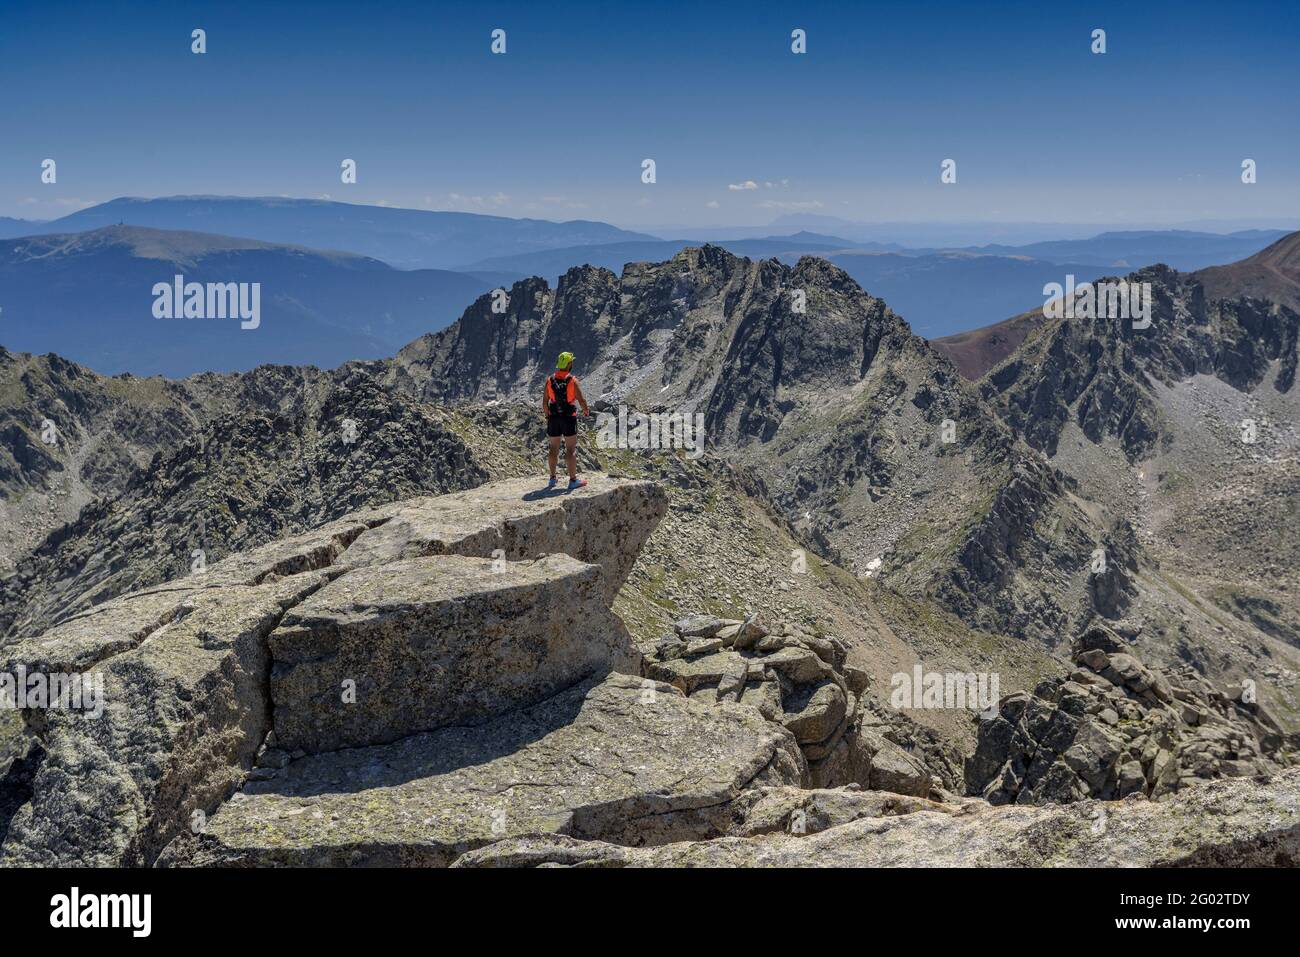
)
(1115, 727)
(803, 682)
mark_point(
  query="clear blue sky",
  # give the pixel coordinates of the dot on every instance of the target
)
(1041, 128)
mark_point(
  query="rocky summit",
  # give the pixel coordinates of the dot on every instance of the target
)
(205, 676)
(443, 682)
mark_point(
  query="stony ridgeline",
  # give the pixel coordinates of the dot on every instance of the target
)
(442, 681)
(1115, 727)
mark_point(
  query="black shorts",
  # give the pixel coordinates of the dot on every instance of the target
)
(557, 425)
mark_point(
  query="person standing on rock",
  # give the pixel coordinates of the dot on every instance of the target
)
(558, 405)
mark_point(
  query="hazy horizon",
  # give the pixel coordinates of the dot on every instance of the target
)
(914, 233)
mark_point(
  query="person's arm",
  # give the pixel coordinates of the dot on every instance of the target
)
(582, 399)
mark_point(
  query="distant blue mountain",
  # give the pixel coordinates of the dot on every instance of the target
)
(940, 291)
(1184, 250)
(89, 297)
(405, 238)
(10, 227)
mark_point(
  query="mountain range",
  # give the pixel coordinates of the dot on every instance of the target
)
(403, 238)
(836, 414)
(89, 296)
(1088, 516)
(407, 272)
(1272, 274)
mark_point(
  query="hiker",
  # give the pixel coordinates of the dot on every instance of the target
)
(558, 398)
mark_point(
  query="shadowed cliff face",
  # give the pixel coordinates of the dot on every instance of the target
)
(474, 612)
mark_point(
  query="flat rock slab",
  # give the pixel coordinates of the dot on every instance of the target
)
(389, 650)
(185, 664)
(1224, 823)
(620, 760)
(605, 523)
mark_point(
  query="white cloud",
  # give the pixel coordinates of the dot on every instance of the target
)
(778, 204)
(712, 204)
(739, 187)
(62, 202)
(478, 202)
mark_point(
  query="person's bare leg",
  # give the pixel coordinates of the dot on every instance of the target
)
(571, 455)
(553, 456)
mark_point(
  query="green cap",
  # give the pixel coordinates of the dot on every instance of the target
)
(564, 361)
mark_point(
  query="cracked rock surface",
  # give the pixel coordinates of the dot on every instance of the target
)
(801, 681)
(1223, 823)
(621, 760)
(190, 675)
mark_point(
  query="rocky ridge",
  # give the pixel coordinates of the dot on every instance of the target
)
(834, 412)
(240, 480)
(215, 748)
(102, 430)
(1188, 428)
(1115, 727)
(1021, 531)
